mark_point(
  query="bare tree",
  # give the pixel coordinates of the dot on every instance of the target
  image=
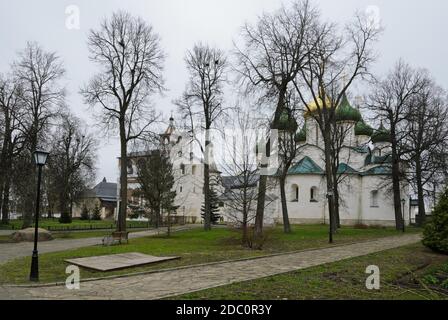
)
(131, 63)
(275, 49)
(289, 147)
(426, 140)
(201, 105)
(336, 60)
(240, 168)
(12, 142)
(71, 163)
(391, 100)
(39, 73)
(346, 119)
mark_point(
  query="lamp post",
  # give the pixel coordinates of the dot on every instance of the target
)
(403, 202)
(40, 158)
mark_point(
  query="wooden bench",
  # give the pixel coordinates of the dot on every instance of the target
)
(117, 237)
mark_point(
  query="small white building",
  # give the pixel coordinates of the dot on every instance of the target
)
(188, 169)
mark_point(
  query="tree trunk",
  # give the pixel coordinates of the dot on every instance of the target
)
(337, 222)
(330, 184)
(1, 195)
(122, 211)
(2, 184)
(286, 224)
(169, 224)
(420, 193)
(63, 207)
(396, 182)
(245, 239)
(207, 213)
(259, 217)
(207, 204)
(337, 218)
(30, 193)
(5, 202)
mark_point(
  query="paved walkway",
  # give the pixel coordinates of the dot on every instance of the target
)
(169, 283)
(9, 251)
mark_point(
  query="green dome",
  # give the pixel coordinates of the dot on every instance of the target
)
(363, 129)
(345, 112)
(381, 135)
(301, 136)
(286, 122)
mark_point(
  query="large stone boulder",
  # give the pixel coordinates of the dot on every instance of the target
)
(27, 235)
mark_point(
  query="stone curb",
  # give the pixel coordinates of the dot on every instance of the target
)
(56, 284)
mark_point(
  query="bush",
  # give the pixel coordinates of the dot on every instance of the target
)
(96, 214)
(65, 218)
(85, 215)
(435, 234)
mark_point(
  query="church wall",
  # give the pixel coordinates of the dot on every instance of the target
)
(304, 210)
(356, 205)
(350, 199)
(382, 212)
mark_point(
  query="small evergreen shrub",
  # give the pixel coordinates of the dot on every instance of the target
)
(85, 215)
(96, 214)
(65, 218)
(435, 234)
(214, 206)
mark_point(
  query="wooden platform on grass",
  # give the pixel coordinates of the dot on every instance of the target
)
(118, 261)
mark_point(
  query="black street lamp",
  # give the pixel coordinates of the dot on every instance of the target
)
(403, 201)
(40, 158)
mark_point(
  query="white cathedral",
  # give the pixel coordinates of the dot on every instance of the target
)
(364, 170)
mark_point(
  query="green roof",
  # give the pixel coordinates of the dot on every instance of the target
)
(378, 171)
(381, 135)
(306, 166)
(363, 129)
(344, 168)
(301, 136)
(286, 122)
(346, 112)
(372, 159)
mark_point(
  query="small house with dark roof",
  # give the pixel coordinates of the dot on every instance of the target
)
(102, 196)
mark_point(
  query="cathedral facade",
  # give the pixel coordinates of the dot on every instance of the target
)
(364, 174)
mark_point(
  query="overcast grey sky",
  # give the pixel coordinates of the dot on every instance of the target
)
(415, 30)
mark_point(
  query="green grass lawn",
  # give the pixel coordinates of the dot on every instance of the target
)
(407, 273)
(53, 224)
(193, 246)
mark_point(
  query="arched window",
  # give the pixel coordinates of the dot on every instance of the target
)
(130, 168)
(294, 193)
(193, 170)
(313, 194)
(181, 189)
(374, 199)
(179, 139)
(182, 168)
